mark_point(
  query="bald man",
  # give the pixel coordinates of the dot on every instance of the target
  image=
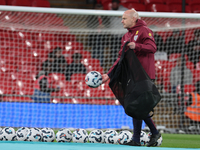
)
(143, 44)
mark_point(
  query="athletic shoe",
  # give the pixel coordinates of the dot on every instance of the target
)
(153, 139)
(132, 143)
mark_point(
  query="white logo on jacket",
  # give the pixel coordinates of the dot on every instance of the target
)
(135, 37)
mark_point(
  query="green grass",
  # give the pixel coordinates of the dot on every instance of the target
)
(181, 140)
(177, 140)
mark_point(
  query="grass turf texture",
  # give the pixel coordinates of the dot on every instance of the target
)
(177, 140)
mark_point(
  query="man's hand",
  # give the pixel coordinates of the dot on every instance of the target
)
(131, 45)
(105, 78)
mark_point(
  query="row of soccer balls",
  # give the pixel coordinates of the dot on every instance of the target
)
(77, 136)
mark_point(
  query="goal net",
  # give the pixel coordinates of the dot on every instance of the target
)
(45, 54)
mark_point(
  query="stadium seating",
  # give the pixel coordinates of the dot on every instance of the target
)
(8, 68)
(130, 1)
(6, 86)
(18, 2)
(136, 6)
(2, 2)
(40, 3)
(157, 8)
(173, 2)
(17, 99)
(195, 8)
(146, 2)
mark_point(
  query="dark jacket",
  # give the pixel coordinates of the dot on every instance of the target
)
(145, 47)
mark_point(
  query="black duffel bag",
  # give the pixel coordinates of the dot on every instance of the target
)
(133, 87)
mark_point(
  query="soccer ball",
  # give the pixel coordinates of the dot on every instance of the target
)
(7, 134)
(143, 138)
(96, 136)
(110, 137)
(124, 137)
(21, 134)
(93, 79)
(80, 136)
(34, 134)
(159, 141)
(64, 135)
(48, 135)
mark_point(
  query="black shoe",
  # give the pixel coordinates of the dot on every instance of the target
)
(132, 143)
(153, 139)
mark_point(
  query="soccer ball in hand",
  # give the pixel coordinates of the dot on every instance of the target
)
(34, 134)
(48, 135)
(143, 138)
(7, 134)
(64, 135)
(80, 136)
(96, 136)
(110, 137)
(21, 134)
(159, 141)
(93, 79)
(124, 137)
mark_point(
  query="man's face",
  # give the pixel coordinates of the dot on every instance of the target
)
(58, 53)
(115, 6)
(127, 20)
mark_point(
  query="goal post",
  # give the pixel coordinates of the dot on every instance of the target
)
(32, 37)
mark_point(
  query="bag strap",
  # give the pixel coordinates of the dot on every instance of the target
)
(123, 52)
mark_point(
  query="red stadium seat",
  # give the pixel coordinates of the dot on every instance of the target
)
(136, 6)
(33, 20)
(78, 77)
(153, 2)
(40, 3)
(173, 2)
(73, 46)
(8, 68)
(57, 76)
(23, 84)
(18, 2)
(85, 54)
(105, 1)
(2, 2)
(93, 94)
(195, 8)
(65, 37)
(17, 99)
(193, 2)
(178, 8)
(107, 6)
(130, 1)
(53, 21)
(10, 19)
(27, 69)
(6, 86)
(92, 64)
(50, 45)
(157, 8)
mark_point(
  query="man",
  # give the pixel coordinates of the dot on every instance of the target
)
(116, 6)
(75, 67)
(193, 48)
(175, 75)
(143, 44)
(42, 88)
(174, 42)
(59, 64)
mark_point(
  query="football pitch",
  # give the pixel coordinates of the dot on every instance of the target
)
(170, 142)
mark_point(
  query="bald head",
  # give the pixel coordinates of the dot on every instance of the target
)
(129, 18)
(132, 13)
